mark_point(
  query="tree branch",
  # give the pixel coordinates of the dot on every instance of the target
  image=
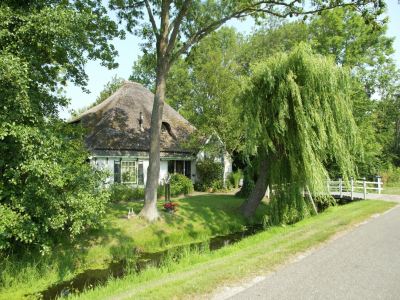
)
(248, 11)
(152, 20)
(177, 23)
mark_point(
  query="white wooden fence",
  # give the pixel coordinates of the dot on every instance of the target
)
(342, 188)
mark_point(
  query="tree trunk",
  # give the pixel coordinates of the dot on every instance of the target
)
(149, 210)
(249, 207)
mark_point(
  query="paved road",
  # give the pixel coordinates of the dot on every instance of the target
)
(363, 264)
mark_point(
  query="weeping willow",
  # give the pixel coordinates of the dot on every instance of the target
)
(298, 114)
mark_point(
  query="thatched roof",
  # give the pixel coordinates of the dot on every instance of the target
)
(114, 124)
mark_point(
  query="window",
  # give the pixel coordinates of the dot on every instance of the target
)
(117, 171)
(171, 166)
(129, 171)
(188, 169)
(140, 174)
(180, 166)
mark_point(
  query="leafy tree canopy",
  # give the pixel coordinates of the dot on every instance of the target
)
(296, 111)
(47, 190)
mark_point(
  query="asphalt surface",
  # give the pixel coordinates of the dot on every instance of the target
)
(362, 264)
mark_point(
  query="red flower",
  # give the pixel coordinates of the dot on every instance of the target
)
(170, 205)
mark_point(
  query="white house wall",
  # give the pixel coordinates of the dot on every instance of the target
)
(145, 166)
(227, 166)
(163, 170)
(102, 163)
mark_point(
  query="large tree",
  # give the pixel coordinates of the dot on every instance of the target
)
(204, 87)
(47, 189)
(343, 34)
(173, 27)
(297, 108)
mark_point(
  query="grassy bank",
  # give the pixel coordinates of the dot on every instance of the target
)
(198, 218)
(201, 273)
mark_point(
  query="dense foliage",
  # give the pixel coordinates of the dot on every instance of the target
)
(297, 109)
(47, 189)
(180, 185)
(123, 192)
(344, 35)
(235, 177)
(210, 173)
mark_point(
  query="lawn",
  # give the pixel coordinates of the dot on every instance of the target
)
(199, 273)
(198, 218)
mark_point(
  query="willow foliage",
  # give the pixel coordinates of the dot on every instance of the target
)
(298, 114)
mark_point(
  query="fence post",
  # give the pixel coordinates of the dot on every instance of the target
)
(340, 187)
(365, 187)
(351, 187)
(379, 182)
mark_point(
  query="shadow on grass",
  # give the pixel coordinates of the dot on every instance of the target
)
(198, 218)
(203, 216)
(30, 272)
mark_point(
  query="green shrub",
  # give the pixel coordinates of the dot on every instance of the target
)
(210, 175)
(234, 178)
(391, 175)
(287, 206)
(123, 192)
(47, 189)
(179, 185)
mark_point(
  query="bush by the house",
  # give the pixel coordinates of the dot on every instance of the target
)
(123, 192)
(180, 185)
(210, 175)
(234, 178)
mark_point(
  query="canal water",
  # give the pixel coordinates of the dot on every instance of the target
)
(97, 277)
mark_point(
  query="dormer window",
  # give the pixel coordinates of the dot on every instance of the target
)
(165, 127)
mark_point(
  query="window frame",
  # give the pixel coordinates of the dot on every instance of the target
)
(135, 162)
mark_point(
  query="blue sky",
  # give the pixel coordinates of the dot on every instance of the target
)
(129, 51)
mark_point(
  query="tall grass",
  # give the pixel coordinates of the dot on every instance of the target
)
(198, 219)
(198, 272)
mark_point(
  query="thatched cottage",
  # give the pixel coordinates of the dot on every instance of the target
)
(119, 137)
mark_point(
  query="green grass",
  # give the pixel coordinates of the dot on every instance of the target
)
(200, 273)
(198, 218)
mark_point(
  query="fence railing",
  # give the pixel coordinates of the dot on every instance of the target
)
(352, 186)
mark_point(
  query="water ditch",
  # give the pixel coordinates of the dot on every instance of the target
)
(97, 277)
